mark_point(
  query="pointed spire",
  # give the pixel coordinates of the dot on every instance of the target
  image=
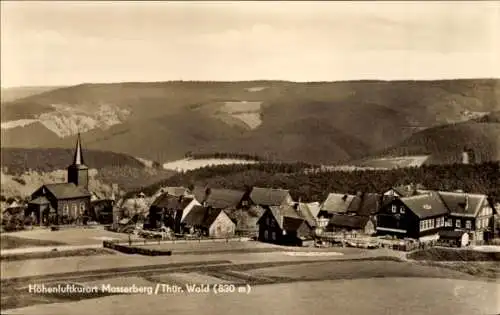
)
(78, 158)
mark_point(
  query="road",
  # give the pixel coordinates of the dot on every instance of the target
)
(42, 249)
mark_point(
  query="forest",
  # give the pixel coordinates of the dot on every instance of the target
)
(315, 186)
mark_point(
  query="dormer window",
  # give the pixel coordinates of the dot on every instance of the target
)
(394, 208)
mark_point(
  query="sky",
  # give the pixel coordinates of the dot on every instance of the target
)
(64, 43)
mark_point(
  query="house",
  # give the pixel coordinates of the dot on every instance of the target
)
(267, 197)
(405, 190)
(283, 225)
(352, 213)
(169, 211)
(223, 198)
(418, 217)
(350, 223)
(472, 213)
(334, 204)
(453, 238)
(102, 210)
(308, 211)
(209, 222)
(63, 203)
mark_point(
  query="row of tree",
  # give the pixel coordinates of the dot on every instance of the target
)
(224, 155)
(310, 186)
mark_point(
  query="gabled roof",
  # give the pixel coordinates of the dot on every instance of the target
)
(199, 193)
(201, 216)
(463, 203)
(195, 216)
(168, 201)
(425, 206)
(304, 210)
(336, 203)
(365, 204)
(287, 217)
(42, 200)
(66, 190)
(349, 221)
(224, 198)
(268, 196)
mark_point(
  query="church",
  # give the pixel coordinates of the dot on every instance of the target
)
(64, 203)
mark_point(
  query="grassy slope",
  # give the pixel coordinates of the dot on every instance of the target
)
(16, 93)
(321, 122)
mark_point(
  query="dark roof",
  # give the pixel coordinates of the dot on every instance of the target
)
(195, 216)
(365, 204)
(462, 203)
(268, 196)
(224, 198)
(42, 200)
(287, 217)
(168, 201)
(304, 210)
(349, 221)
(336, 203)
(425, 206)
(201, 216)
(199, 193)
(66, 190)
(447, 234)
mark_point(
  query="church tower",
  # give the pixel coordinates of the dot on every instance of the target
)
(78, 172)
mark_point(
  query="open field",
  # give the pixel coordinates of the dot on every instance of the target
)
(71, 236)
(57, 254)
(454, 254)
(8, 241)
(191, 164)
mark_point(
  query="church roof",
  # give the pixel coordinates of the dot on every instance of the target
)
(78, 157)
(66, 190)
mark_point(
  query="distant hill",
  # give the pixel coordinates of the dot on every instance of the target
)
(445, 144)
(317, 122)
(15, 93)
(24, 169)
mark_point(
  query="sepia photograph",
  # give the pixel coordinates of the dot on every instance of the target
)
(250, 157)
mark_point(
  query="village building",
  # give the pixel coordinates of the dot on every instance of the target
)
(405, 190)
(213, 223)
(267, 197)
(64, 203)
(102, 210)
(284, 226)
(218, 198)
(168, 211)
(418, 217)
(472, 213)
(335, 204)
(453, 238)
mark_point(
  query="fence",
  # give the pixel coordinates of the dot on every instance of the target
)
(159, 241)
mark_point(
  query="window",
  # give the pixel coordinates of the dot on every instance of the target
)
(82, 208)
(422, 227)
(402, 210)
(75, 210)
(468, 224)
(266, 235)
(449, 222)
(273, 236)
(458, 224)
(394, 208)
(66, 209)
(431, 223)
(268, 220)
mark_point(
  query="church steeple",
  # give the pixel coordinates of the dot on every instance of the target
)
(78, 157)
(78, 171)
